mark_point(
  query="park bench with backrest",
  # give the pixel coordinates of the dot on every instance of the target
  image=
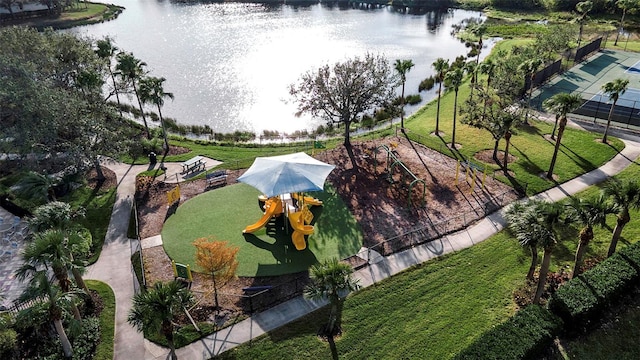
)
(217, 178)
(194, 164)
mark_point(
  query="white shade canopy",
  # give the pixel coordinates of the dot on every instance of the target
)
(276, 175)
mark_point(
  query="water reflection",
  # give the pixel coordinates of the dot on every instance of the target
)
(230, 65)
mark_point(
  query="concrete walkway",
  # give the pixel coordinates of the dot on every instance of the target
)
(114, 265)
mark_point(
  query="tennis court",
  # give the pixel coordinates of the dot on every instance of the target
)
(587, 79)
(626, 111)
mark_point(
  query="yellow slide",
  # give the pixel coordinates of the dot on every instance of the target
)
(299, 230)
(272, 207)
(309, 200)
(298, 240)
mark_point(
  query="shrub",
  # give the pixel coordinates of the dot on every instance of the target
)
(8, 340)
(85, 343)
(582, 299)
(524, 336)
(427, 84)
(413, 99)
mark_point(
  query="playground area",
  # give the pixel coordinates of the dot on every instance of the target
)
(362, 210)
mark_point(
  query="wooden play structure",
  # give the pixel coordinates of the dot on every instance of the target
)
(395, 164)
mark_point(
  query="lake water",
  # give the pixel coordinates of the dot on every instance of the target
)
(229, 66)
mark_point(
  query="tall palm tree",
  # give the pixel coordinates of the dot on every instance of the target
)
(132, 70)
(55, 302)
(521, 219)
(156, 309)
(625, 6)
(538, 227)
(403, 67)
(454, 79)
(331, 280)
(529, 68)
(614, 89)
(624, 195)
(478, 29)
(152, 92)
(106, 50)
(583, 9)
(487, 67)
(471, 68)
(588, 213)
(561, 104)
(441, 66)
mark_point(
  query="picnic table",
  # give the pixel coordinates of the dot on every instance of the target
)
(196, 163)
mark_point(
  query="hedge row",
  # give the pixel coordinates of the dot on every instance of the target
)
(582, 299)
(525, 335)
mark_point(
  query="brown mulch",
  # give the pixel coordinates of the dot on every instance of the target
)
(381, 207)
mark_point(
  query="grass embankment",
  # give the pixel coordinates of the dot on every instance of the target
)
(104, 350)
(87, 13)
(436, 309)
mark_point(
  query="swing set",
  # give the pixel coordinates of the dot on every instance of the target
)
(393, 164)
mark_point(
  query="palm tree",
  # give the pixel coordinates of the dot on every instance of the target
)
(156, 309)
(331, 280)
(442, 67)
(132, 70)
(561, 104)
(53, 250)
(614, 89)
(625, 6)
(152, 91)
(521, 219)
(583, 9)
(454, 79)
(589, 213)
(624, 195)
(54, 302)
(478, 29)
(529, 68)
(487, 67)
(107, 51)
(471, 68)
(534, 224)
(403, 67)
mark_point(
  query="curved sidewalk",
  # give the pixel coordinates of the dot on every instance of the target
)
(291, 310)
(114, 265)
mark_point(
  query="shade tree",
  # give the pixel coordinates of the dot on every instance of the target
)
(346, 91)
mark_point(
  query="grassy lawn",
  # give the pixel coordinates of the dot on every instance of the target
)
(580, 152)
(223, 213)
(448, 301)
(104, 351)
(436, 309)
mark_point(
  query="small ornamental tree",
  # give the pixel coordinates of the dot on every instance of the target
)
(217, 259)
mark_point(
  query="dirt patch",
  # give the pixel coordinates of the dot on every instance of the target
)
(384, 209)
(486, 156)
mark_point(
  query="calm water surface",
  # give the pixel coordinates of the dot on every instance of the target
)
(230, 65)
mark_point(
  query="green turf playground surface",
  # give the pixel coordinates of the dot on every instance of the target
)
(224, 213)
(588, 77)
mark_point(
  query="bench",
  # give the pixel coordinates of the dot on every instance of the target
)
(217, 178)
(256, 288)
(194, 164)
